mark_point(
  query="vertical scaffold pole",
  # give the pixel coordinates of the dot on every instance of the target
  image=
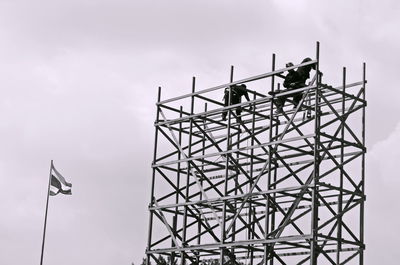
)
(202, 168)
(250, 234)
(153, 178)
(178, 178)
(340, 196)
(228, 147)
(275, 177)
(236, 172)
(184, 228)
(314, 212)
(363, 171)
(270, 150)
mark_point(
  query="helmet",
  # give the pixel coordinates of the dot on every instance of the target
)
(308, 59)
(289, 64)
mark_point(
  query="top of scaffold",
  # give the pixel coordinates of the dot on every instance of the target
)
(241, 81)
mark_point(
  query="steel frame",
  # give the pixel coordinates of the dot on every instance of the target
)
(267, 189)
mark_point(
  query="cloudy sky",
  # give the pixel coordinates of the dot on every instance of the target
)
(78, 81)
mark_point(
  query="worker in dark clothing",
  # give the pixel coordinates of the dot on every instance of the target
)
(237, 91)
(294, 80)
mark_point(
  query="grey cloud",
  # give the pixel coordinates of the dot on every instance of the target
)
(79, 81)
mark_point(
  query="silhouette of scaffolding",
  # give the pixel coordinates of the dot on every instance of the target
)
(265, 187)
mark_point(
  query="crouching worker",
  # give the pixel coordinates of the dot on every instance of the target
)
(237, 91)
(294, 80)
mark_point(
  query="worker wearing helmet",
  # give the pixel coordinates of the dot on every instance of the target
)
(237, 91)
(294, 80)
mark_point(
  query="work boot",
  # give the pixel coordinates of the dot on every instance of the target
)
(300, 109)
(295, 106)
(274, 93)
(279, 110)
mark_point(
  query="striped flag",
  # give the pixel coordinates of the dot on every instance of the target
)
(58, 184)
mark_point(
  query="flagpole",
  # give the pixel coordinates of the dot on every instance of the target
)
(45, 216)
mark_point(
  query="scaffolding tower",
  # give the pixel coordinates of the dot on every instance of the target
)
(261, 187)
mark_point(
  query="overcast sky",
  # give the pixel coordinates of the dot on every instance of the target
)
(78, 81)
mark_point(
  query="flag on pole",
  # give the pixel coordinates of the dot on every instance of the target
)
(58, 184)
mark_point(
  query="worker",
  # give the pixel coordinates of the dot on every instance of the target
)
(237, 91)
(294, 80)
